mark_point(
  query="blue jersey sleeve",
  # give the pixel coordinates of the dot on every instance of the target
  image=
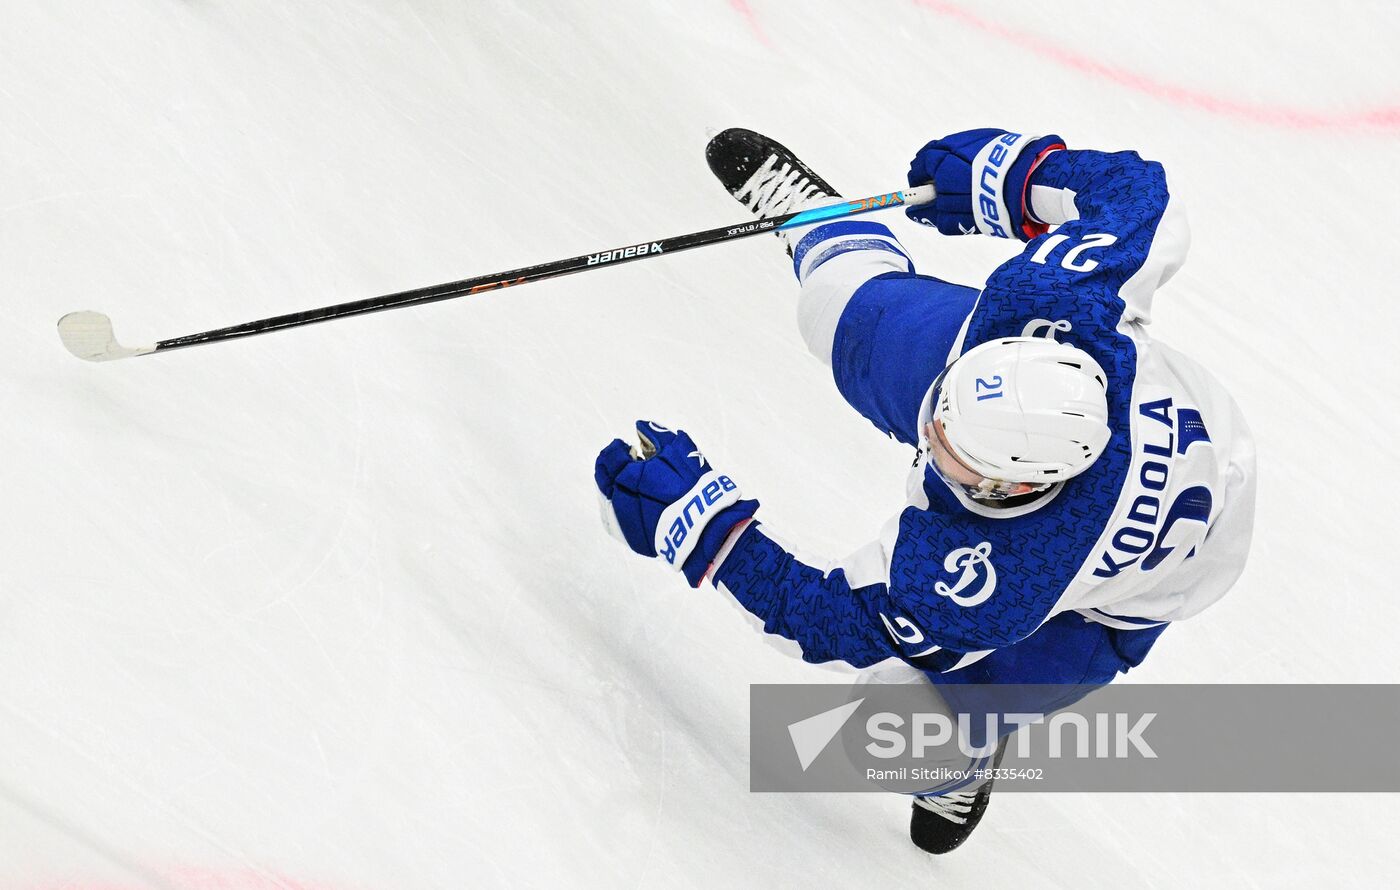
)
(834, 614)
(1119, 236)
(893, 340)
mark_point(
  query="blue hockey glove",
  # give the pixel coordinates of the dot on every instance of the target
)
(667, 499)
(981, 177)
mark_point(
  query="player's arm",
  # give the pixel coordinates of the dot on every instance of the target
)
(1119, 232)
(845, 611)
(666, 501)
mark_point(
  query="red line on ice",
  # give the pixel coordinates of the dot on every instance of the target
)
(744, 9)
(1381, 118)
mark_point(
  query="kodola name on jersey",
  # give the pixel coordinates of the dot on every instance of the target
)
(1141, 537)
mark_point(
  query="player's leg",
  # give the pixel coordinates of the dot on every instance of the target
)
(1064, 660)
(832, 262)
(885, 331)
(944, 814)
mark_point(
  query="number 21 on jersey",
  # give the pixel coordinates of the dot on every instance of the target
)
(1071, 260)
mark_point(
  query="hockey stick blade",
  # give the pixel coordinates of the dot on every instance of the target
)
(88, 335)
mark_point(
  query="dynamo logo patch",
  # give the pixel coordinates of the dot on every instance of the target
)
(977, 577)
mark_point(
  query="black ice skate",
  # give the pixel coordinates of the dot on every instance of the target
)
(940, 824)
(765, 176)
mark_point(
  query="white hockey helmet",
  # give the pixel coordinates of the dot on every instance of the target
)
(1026, 410)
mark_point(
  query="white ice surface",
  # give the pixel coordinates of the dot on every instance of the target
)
(333, 609)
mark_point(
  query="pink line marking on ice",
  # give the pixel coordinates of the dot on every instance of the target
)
(744, 9)
(1380, 118)
(199, 879)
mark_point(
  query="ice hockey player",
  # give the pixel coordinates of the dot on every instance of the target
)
(1078, 485)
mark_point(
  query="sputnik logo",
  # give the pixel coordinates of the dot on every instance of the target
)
(811, 736)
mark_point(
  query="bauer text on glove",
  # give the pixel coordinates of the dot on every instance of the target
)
(981, 177)
(667, 499)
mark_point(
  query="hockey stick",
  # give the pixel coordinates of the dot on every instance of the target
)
(88, 335)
